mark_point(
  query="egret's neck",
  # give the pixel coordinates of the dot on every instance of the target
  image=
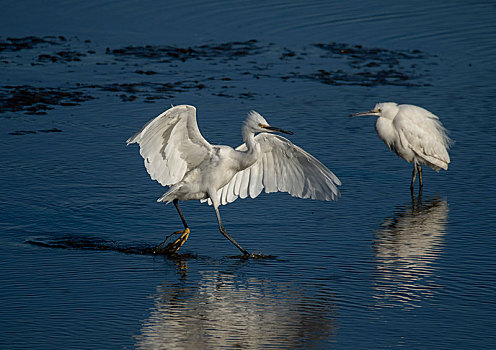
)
(248, 137)
(386, 131)
(253, 148)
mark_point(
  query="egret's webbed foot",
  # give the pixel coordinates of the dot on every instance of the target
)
(173, 247)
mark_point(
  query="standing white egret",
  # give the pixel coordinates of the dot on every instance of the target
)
(414, 134)
(177, 155)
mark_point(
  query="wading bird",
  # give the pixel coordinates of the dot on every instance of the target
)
(177, 155)
(414, 134)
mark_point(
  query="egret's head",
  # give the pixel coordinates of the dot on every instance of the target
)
(256, 123)
(384, 109)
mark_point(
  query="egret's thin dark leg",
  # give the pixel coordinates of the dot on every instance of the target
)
(224, 232)
(420, 195)
(419, 167)
(176, 204)
(416, 200)
(173, 247)
(414, 176)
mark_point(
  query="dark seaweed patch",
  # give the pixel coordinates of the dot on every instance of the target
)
(61, 56)
(30, 132)
(37, 100)
(287, 53)
(168, 53)
(152, 91)
(49, 130)
(22, 132)
(359, 55)
(148, 72)
(28, 42)
(367, 78)
(370, 66)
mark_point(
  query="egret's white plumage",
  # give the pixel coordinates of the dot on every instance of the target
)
(414, 134)
(177, 155)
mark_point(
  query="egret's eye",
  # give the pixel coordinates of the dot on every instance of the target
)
(379, 110)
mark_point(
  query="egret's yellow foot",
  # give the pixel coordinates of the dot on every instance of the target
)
(173, 247)
(178, 243)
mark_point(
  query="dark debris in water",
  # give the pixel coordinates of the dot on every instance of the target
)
(370, 66)
(45, 43)
(29, 42)
(61, 56)
(37, 100)
(148, 72)
(367, 78)
(150, 90)
(358, 53)
(167, 53)
(31, 132)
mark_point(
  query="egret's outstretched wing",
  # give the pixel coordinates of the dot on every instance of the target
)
(421, 131)
(284, 167)
(171, 144)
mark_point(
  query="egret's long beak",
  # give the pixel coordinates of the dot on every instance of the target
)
(272, 128)
(372, 112)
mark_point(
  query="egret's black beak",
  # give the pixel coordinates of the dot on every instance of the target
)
(272, 128)
(364, 113)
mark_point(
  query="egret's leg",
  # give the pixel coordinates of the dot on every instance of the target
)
(416, 200)
(414, 175)
(173, 247)
(176, 204)
(420, 175)
(224, 232)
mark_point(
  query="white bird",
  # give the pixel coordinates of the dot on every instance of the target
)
(414, 134)
(177, 155)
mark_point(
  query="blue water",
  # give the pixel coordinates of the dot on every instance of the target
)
(377, 269)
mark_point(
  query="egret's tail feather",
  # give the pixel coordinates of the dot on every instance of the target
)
(168, 196)
(436, 163)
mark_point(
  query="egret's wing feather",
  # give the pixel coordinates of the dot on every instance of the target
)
(284, 167)
(423, 133)
(171, 144)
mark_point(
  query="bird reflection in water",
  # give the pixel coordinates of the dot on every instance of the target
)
(406, 249)
(221, 310)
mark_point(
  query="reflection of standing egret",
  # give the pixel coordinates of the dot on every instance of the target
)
(177, 155)
(414, 134)
(406, 248)
(224, 312)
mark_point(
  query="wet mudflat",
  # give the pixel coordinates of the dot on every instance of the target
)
(377, 269)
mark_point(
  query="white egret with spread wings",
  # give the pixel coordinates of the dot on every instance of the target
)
(414, 134)
(177, 155)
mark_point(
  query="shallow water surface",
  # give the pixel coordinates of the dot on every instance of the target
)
(377, 269)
